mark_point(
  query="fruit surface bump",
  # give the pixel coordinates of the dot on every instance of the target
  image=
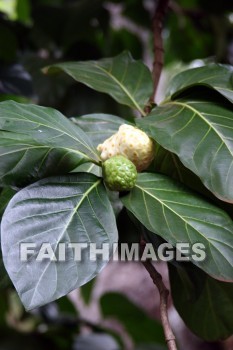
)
(131, 143)
(119, 174)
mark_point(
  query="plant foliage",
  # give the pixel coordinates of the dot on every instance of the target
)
(193, 132)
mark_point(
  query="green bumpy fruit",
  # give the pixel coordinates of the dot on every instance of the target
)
(119, 174)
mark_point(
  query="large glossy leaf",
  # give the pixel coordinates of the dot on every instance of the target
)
(205, 304)
(216, 76)
(168, 209)
(200, 133)
(37, 141)
(66, 209)
(128, 81)
(99, 126)
(168, 163)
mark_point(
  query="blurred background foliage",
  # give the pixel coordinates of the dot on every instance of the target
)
(35, 33)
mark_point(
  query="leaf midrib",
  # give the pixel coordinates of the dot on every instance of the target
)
(123, 89)
(186, 223)
(32, 147)
(85, 195)
(185, 105)
(170, 209)
(57, 129)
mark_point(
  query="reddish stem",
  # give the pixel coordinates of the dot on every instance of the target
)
(157, 24)
(164, 293)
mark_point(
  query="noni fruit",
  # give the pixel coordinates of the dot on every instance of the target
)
(119, 174)
(131, 143)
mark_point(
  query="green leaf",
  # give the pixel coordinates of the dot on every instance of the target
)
(5, 281)
(9, 8)
(216, 76)
(66, 307)
(128, 81)
(167, 163)
(65, 209)
(204, 303)
(135, 321)
(5, 196)
(128, 231)
(99, 126)
(200, 133)
(170, 210)
(88, 168)
(86, 291)
(37, 141)
(23, 9)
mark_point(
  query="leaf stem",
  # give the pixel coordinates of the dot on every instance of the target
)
(157, 24)
(164, 293)
(98, 163)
